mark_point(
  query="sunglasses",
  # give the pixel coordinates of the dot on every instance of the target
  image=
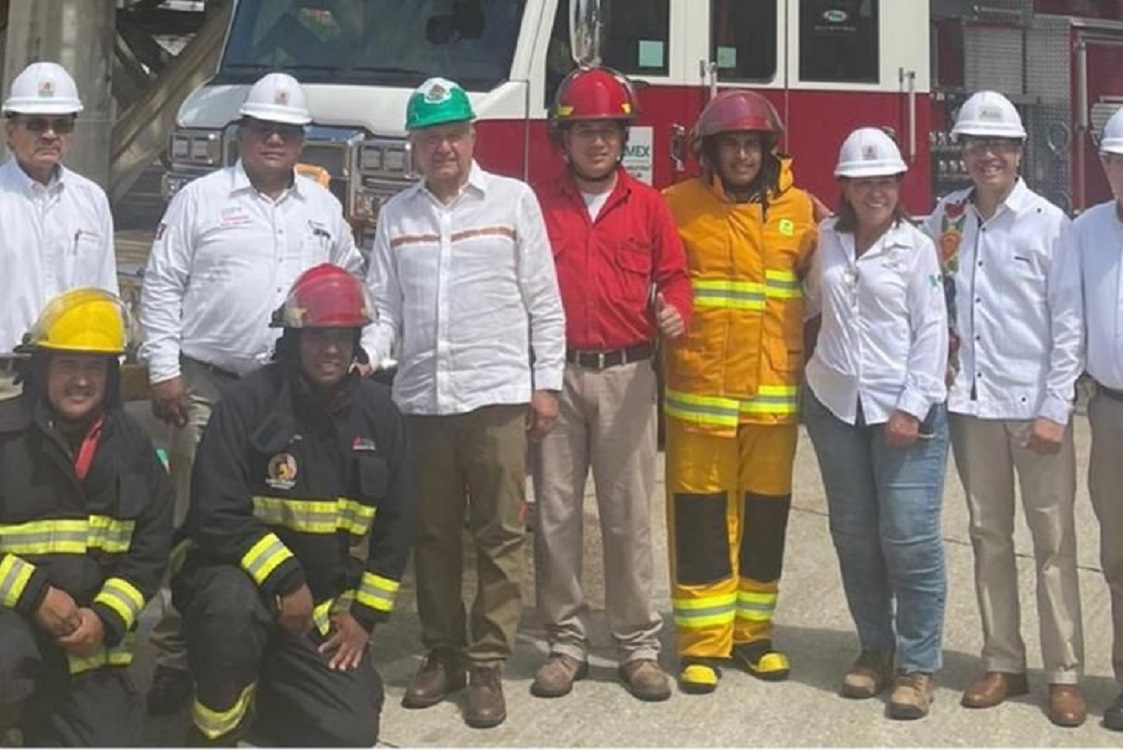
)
(263, 130)
(58, 125)
(993, 145)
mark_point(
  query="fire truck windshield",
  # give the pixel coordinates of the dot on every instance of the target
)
(373, 42)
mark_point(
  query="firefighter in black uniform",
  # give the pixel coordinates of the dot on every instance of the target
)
(302, 461)
(85, 532)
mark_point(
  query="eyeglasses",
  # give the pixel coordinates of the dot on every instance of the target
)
(58, 125)
(285, 131)
(977, 146)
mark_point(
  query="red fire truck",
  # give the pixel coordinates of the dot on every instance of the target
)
(828, 65)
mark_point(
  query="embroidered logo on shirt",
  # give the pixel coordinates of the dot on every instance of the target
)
(787, 227)
(281, 474)
(363, 444)
(160, 229)
(233, 216)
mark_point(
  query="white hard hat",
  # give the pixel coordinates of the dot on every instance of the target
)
(43, 88)
(989, 114)
(869, 152)
(1112, 140)
(277, 97)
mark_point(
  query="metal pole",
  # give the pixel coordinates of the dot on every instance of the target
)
(77, 34)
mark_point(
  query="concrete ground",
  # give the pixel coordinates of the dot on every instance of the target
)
(812, 625)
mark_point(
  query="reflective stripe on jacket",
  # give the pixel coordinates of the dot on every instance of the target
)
(741, 359)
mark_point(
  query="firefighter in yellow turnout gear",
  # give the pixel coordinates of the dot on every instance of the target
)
(732, 390)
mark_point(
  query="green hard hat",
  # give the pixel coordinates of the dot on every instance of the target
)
(436, 102)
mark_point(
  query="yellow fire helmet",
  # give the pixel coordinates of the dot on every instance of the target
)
(83, 320)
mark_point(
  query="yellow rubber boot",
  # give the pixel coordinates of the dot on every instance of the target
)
(762, 661)
(698, 677)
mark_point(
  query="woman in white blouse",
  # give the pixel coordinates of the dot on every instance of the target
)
(874, 408)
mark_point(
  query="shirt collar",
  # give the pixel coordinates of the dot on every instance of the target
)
(478, 181)
(1018, 199)
(58, 181)
(240, 181)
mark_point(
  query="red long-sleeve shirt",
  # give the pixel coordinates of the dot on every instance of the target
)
(606, 269)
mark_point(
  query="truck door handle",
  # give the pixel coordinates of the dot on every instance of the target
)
(678, 148)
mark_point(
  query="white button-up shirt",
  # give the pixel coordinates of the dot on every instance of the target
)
(1097, 239)
(469, 289)
(884, 334)
(1017, 302)
(53, 238)
(224, 258)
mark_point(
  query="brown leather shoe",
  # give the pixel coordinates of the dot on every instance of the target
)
(1066, 705)
(871, 673)
(486, 706)
(993, 688)
(912, 696)
(645, 680)
(442, 673)
(555, 678)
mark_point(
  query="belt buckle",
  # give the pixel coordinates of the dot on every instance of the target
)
(600, 360)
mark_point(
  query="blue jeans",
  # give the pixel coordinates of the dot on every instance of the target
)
(884, 505)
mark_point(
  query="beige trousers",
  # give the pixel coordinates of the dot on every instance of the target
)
(606, 422)
(204, 388)
(1105, 485)
(988, 455)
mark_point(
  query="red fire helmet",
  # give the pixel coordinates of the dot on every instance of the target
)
(325, 296)
(736, 110)
(594, 94)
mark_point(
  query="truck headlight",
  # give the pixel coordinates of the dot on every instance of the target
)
(386, 158)
(196, 147)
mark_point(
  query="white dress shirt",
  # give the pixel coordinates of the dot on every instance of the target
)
(1097, 239)
(469, 289)
(883, 340)
(1017, 300)
(53, 238)
(224, 258)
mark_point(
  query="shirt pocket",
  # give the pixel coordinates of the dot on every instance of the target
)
(316, 242)
(633, 259)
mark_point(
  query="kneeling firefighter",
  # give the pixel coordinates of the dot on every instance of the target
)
(302, 462)
(85, 531)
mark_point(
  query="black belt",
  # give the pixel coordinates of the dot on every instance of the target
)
(1111, 393)
(600, 360)
(212, 368)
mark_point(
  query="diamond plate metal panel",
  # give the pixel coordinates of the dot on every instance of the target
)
(992, 58)
(1048, 161)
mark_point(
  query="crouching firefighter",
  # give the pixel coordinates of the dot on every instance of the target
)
(301, 462)
(85, 531)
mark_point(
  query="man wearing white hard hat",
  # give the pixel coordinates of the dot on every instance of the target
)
(227, 251)
(58, 230)
(1015, 297)
(1096, 238)
(874, 409)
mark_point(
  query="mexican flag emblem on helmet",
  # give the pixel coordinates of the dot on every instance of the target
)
(436, 102)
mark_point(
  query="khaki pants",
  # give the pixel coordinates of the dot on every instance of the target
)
(1105, 485)
(204, 388)
(475, 461)
(606, 421)
(8, 389)
(988, 454)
